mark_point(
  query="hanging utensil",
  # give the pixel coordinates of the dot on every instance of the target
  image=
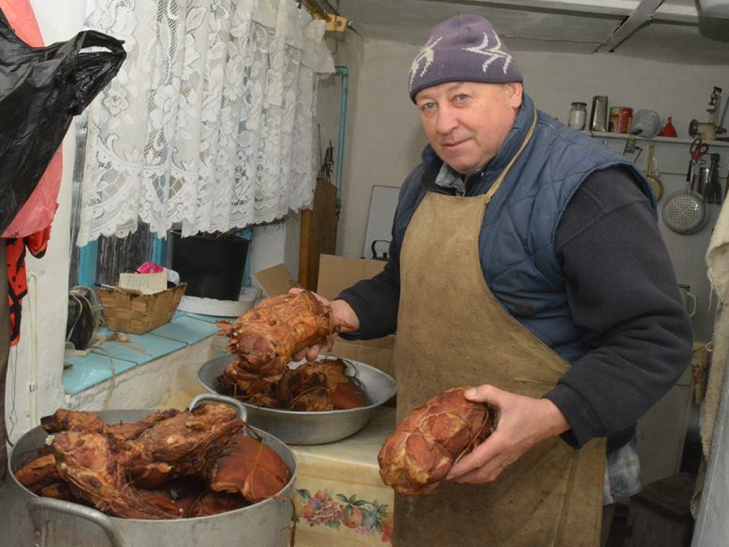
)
(655, 182)
(697, 149)
(685, 212)
(712, 189)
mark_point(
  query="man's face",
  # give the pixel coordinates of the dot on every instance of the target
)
(466, 122)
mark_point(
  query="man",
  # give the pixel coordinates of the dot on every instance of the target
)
(525, 260)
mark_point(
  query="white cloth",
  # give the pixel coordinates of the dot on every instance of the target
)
(717, 262)
(210, 119)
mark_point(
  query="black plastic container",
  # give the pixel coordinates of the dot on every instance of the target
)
(211, 264)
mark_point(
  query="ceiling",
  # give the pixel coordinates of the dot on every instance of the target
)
(674, 31)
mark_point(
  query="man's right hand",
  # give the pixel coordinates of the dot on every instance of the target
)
(344, 318)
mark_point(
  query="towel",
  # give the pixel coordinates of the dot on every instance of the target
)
(717, 262)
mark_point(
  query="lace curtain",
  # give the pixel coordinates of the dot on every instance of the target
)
(209, 123)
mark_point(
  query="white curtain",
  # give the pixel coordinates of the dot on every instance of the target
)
(210, 120)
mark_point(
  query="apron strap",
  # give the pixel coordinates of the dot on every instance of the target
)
(497, 184)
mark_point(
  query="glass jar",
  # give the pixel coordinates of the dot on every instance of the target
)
(578, 115)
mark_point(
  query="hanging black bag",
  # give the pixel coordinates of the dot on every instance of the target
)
(41, 89)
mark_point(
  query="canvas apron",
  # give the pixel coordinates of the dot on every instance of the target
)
(452, 331)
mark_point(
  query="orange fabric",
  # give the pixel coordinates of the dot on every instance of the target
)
(17, 283)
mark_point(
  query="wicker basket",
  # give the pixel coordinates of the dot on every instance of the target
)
(137, 313)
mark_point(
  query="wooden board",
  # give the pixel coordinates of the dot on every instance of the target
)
(318, 232)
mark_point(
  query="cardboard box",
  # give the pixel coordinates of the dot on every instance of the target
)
(274, 280)
(336, 273)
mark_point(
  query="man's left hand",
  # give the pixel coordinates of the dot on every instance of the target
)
(522, 423)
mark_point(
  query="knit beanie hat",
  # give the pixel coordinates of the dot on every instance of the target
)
(465, 48)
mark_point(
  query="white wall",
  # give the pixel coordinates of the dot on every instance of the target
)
(386, 139)
(347, 50)
(35, 365)
(277, 243)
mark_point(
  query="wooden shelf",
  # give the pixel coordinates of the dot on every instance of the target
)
(671, 140)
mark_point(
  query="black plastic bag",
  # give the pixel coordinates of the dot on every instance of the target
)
(41, 89)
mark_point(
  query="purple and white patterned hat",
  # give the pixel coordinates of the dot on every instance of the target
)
(465, 48)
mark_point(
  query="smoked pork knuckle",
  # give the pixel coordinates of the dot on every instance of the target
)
(431, 438)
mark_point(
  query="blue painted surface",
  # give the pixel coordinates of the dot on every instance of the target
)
(209, 318)
(186, 329)
(248, 234)
(159, 251)
(89, 370)
(88, 255)
(115, 357)
(140, 348)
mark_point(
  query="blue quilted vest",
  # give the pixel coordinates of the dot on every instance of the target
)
(517, 237)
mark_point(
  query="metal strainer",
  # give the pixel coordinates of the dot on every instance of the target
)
(685, 212)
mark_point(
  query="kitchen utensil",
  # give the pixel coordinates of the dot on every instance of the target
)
(598, 115)
(655, 182)
(668, 129)
(703, 181)
(294, 427)
(702, 130)
(689, 299)
(685, 212)
(35, 520)
(697, 149)
(712, 188)
(630, 145)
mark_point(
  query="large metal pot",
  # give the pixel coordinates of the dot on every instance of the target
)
(294, 427)
(42, 522)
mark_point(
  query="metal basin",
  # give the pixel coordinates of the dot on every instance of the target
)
(42, 522)
(311, 427)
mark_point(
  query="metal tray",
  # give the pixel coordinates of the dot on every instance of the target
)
(311, 427)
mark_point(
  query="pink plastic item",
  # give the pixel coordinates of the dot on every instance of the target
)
(150, 267)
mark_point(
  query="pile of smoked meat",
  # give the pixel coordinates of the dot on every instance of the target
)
(169, 465)
(264, 340)
(425, 445)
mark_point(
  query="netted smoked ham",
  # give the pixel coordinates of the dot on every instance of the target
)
(190, 440)
(163, 501)
(266, 337)
(317, 386)
(59, 491)
(310, 387)
(430, 439)
(213, 503)
(249, 468)
(155, 468)
(77, 420)
(93, 464)
(247, 387)
(38, 473)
